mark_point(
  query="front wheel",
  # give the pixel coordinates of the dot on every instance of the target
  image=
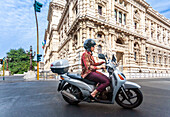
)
(130, 98)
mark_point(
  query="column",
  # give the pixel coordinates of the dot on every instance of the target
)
(81, 43)
(114, 42)
(156, 34)
(106, 43)
(122, 18)
(112, 10)
(109, 10)
(71, 12)
(70, 45)
(88, 6)
(142, 24)
(117, 15)
(78, 39)
(129, 18)
(80, 8)
(84, 31)
(109, 44)
(84, 6)
(149, 30)
(88, 34)
(92, 33)
(143, 56)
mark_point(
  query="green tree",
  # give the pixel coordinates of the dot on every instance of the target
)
(19, 62)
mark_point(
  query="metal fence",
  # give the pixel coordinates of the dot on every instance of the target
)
(48, 75)
(148, 75)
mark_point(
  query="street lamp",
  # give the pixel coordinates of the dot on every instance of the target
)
(31, 55)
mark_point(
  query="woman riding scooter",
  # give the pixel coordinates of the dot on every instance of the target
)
(89, 67)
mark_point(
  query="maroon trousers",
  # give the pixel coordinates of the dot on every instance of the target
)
(99, 78)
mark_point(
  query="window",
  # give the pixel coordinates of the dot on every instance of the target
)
(151, 34)
(135, 56)
(135, 25)
(125, 4)
(120, 1)
(115, 14)
(163, 39)
(119, 41)
(135, 45)
(153, 59)
(124, 19)
(99, 49)
(76, 10)
(99, 35)
(158, 36)
(100, 10)
(165, 61)
(146, 58)
(160, 60)
(120, 17)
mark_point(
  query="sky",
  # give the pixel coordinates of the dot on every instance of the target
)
(18, 28)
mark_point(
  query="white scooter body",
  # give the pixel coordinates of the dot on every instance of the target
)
(114, 75)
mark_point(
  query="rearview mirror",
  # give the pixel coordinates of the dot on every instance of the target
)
(113, 58)
(101, 56)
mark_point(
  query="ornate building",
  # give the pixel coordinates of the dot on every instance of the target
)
(137, 34)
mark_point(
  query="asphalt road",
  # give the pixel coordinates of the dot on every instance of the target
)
(19, 98)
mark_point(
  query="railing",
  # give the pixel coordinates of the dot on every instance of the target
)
(147, 75)
(46, 75)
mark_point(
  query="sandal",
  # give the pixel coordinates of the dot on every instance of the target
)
(93, 98)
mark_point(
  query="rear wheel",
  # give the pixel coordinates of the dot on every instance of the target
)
(74, 91)
(134, 98)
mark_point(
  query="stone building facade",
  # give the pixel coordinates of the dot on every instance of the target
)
(137, 34)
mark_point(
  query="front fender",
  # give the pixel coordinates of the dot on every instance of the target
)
(129, 84)
(61, 84)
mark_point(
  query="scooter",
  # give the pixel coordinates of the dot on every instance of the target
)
(75, 89)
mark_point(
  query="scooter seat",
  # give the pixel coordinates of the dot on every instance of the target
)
(78, 77)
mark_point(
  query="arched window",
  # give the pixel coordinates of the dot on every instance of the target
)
(100, 9)
(119, 41)
(99, 35)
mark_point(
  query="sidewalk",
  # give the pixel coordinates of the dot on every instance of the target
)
(19, 78)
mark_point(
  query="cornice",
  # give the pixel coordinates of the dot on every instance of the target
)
(140, 2)
(158, 45)
(156, 14)
(52, 5)
(60, 47)
(63, 15)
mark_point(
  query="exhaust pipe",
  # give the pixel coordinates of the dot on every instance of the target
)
(69, 95)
